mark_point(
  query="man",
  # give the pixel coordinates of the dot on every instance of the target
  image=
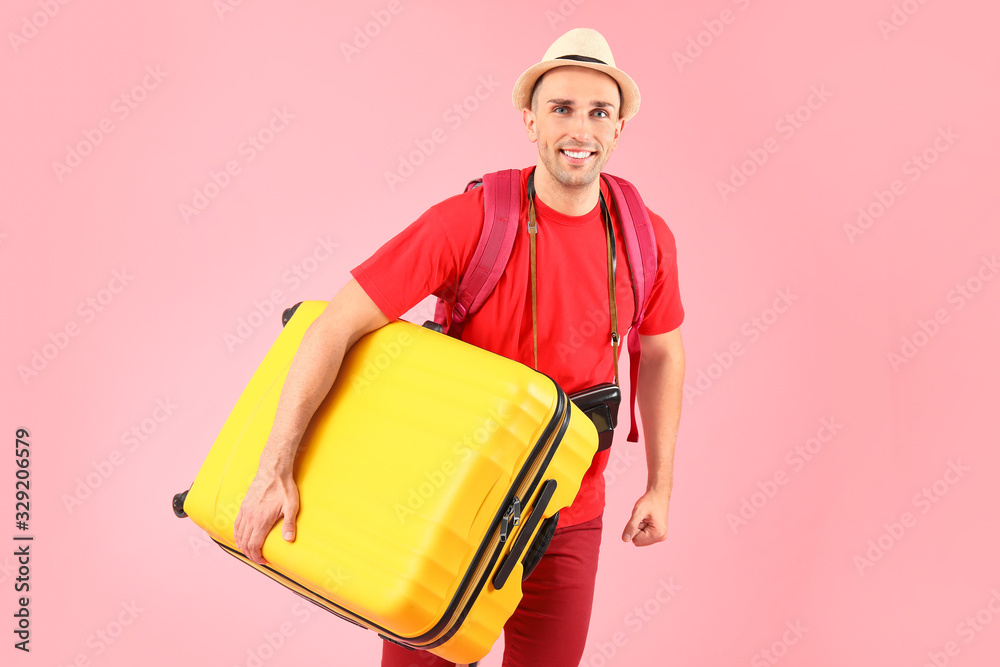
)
(574, 106)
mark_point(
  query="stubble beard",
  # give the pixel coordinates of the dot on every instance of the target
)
(572, 177)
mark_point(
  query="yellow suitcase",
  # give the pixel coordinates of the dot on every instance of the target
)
(428, 477)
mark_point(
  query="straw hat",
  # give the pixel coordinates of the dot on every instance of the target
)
(580, 47)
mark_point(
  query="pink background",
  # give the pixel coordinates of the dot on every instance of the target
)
(118, 555)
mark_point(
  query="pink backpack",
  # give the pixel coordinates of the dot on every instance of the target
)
(502, 195)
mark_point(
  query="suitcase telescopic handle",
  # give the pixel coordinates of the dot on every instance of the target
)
(537, 511)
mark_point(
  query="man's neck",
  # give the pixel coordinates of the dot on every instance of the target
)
(574, 201)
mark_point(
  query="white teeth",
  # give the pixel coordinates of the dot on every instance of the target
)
(577, 154)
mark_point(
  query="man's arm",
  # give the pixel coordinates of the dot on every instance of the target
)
(273, 493)
(659, 392)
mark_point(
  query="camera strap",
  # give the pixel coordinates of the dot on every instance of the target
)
(609, 234)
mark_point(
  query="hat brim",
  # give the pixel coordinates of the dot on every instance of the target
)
(526, 82)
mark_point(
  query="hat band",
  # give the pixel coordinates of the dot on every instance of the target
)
(586, 59)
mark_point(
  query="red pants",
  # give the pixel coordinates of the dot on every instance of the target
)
(549, 627)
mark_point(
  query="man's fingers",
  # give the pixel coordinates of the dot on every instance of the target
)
(290, 512)
(649, 534)
(243, 528)
(644, 537)
(238, 528)
(648, 524)
(257, 516)
(254, 546)
(642, 541)
(288, 527)
(632, 528)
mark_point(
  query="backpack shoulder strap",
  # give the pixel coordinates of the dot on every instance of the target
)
(502, 205)
(640, 250)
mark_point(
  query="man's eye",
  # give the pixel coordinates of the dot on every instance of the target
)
(604, 114)
(558, 109)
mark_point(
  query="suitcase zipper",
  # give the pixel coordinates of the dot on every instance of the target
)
(512, 517)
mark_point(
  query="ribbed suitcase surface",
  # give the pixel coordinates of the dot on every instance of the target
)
(423, 478)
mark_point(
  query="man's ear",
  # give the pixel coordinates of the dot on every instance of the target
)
(529, 124)
(618, 133)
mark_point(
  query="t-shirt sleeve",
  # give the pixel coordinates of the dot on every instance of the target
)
(427, 257)
(664, 311)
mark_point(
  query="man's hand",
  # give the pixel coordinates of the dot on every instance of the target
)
(271, 495)
(649, 520)
(660, 388)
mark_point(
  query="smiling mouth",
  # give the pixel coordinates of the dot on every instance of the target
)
(576, 155)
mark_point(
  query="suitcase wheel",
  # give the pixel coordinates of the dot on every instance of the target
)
(538, 547)
(287, 315)
(179, 504)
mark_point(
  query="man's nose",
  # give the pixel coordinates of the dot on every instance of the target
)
(580, 128)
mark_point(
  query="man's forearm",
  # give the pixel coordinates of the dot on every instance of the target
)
(348, 317)
(310, 377)
(273, 494)
(659, 393)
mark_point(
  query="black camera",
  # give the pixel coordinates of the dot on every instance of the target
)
(600, 403)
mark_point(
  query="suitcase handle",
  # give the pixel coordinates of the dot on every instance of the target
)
(508, 563)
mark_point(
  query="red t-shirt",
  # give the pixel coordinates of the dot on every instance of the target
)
(574, 320)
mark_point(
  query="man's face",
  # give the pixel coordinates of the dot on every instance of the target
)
(575, 122)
